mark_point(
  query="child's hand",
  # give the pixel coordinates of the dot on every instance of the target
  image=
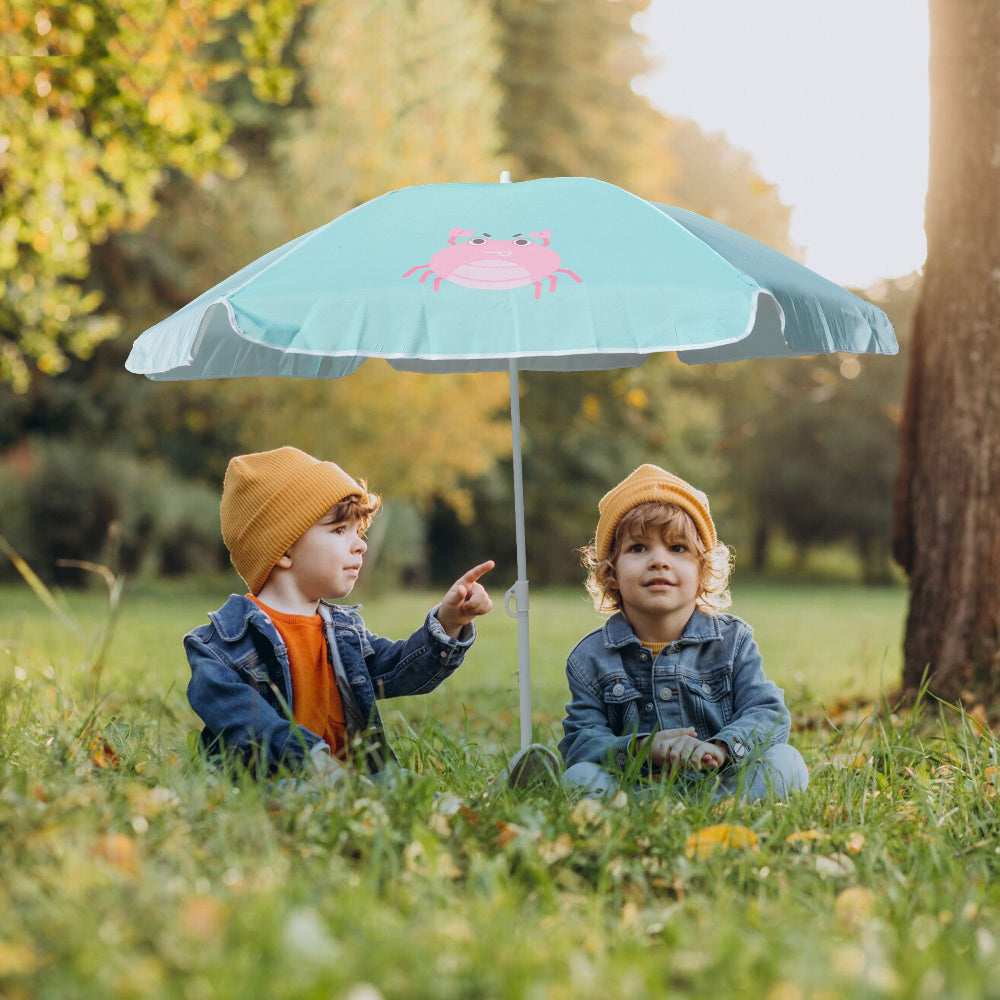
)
(465, 600)
(681, 748)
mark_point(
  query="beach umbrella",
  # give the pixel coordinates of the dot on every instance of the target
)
(557, 274)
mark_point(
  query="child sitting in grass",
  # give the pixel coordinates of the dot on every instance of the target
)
(670, 681)
(282, 676)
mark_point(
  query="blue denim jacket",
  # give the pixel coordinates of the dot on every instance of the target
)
(710, 678)
(241, 684)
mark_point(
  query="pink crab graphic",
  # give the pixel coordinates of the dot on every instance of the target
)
(485, 262)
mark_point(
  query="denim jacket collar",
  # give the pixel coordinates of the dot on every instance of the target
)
(700, 628)
(235, 616)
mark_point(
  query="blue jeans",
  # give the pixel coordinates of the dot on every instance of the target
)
(779, 770)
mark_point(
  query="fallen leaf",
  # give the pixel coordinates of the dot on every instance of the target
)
(803, 836)
(834, 865)
(855, 843)
(117, 850)
(978, 715)
(849, 761)
(630, 915)
(506, 832)
(585, 812)
(448, 805)
(722, 835)
(151, 801)
(556, 850)
(854, 905)
(102, 753)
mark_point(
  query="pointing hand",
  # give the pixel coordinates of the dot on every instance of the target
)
(466, 599)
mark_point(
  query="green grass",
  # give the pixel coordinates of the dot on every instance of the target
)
(128, 870)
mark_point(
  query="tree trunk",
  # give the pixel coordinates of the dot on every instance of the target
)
(947, 511)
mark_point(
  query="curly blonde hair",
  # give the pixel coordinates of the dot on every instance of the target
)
(675, 525)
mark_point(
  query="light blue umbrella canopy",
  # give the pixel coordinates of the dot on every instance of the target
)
(567, 274)
(559, 274)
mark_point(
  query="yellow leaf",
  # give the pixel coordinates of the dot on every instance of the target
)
(585, 812)
(802, 836)
(722, 835)
(855, 843)
(557, 849)
(854, 905)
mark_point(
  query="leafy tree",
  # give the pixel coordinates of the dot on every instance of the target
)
(399, 93)
(809, 445)
(393, 93)
(582, 432)
(565, 74)
(714, 178)
(568, 108)
(97, 102)
(947, 515)
(411, 436)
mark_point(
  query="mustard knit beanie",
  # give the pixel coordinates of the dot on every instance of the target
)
(651, 483)
(269, 500)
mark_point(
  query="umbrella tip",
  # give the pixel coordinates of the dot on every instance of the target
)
(504, 176)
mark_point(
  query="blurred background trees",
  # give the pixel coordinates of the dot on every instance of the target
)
(150, 155)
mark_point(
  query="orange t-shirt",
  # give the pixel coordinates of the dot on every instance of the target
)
(316, 701)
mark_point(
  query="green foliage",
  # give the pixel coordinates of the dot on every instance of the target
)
(58, 502)
(388, 93)
(400, 93)
(716, 179)
(582, 432)
(132, 871)
(809, 445)
(98, 101)
(565, 75)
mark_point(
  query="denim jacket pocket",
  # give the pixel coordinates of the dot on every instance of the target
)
(621, 702)
(711, 696)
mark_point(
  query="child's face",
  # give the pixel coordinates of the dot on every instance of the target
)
(326, 560)
(658, 576)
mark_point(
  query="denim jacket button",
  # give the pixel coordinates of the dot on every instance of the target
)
(618, 690)
(666, 694)
(643, 656)
(706, 687)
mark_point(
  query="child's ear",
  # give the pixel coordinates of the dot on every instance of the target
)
(285, 562)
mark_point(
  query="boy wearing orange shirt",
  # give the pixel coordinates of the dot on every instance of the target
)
(283, 677)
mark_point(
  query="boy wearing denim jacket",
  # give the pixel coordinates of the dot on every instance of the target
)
(670, 679)
(281, 676)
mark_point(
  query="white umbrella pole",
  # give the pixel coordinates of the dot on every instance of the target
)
(519, 592)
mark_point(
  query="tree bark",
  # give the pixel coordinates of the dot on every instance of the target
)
(947, 505)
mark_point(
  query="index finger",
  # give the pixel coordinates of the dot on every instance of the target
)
(472, 575)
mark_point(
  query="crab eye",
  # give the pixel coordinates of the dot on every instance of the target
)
(477, 241)
(522, 242)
